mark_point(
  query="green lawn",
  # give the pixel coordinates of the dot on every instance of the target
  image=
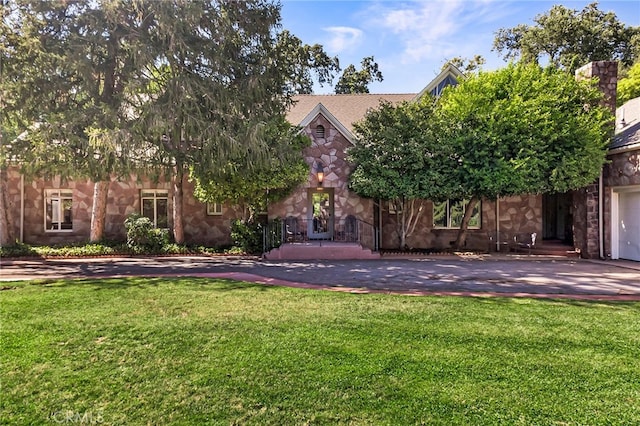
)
(200, 351)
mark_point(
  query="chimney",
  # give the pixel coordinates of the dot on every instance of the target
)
(607, 73)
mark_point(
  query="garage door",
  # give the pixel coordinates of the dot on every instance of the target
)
(629, 225)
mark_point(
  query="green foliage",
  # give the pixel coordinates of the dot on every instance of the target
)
(253, 188)
(397, 154)
(523, 129)
(357, 81)
(69, 69)
(106, 249)
(17, 250)
(142, 237)
(397, 157)
(247, 235)
(629, 87)
(466, 65)
(70, 250)
(569, 38)
(299, 61)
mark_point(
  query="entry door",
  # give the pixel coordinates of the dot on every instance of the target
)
(320, 214)
(557, 220)
(629, 225)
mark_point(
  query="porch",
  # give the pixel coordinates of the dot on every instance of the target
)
(296, 238)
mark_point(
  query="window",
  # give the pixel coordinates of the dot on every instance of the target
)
(155, 206)
(448, 214)
(320, 132)
(57, 210)
(214, 209)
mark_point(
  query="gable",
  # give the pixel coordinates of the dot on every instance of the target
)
(341, 110)
(449, 76)
(322, 110)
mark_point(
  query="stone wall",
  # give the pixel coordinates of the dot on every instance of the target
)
(586, 221)
(331, 150)
(517, 214)
(607, 74)
(123, 199)
(586, 218)
(520, 214)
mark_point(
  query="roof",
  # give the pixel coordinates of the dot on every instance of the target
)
(347, 109)
(449, 76)
(627, 131)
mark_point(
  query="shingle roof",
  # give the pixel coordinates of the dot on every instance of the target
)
(629, 134)
(347, 109)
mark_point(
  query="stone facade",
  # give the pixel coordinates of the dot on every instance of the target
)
(501, 219)
(331, 151)
(516, 215)
(586, 218)
(123, 199)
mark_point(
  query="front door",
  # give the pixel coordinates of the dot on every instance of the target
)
(320, 214)
(557, 221)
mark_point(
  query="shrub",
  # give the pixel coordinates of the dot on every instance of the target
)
(17, 250)
(142, 236)
(247, 235)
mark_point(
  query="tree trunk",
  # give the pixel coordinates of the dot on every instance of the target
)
(462, 234)
(178, 228)
(99, 210)
(7, 233)
(410, 213)
(403, 228)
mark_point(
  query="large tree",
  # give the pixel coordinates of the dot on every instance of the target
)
(629, 86)
(165, 86)
(522, 130)
(466, 65)
(68, 68)
(570, 38)
(357, 81)
(300, 62)
(222, 74)
(255, 188)
(396, 158)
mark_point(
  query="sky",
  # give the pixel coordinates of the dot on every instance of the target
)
(411, 40)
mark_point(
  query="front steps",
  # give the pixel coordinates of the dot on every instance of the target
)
(321, 250)
(550, 248)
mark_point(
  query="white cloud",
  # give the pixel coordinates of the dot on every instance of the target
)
(343, 39)
(428, 29)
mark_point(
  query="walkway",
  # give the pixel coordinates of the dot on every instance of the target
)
(512, 276)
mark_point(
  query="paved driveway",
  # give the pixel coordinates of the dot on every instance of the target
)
(439, 275)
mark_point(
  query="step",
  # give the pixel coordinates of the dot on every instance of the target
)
(321, 250)
(551, 250)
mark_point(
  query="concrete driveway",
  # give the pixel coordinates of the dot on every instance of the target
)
(507, 276)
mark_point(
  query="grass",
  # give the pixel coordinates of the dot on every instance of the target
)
(202, 351)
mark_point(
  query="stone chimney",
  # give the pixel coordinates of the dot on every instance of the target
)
(607, 74)
(587, 218)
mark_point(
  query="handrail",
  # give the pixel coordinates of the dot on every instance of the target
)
(297, 230)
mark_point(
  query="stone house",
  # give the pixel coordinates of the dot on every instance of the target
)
(600, 221)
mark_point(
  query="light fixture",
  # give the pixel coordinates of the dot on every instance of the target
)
(319, 172)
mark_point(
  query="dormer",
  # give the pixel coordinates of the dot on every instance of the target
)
(449, 76)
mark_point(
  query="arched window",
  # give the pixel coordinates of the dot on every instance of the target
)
(319, 132)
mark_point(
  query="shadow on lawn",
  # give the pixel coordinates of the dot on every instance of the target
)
(208, 284)
(504, 301)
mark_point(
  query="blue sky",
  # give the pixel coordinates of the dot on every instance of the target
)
(410, 40)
